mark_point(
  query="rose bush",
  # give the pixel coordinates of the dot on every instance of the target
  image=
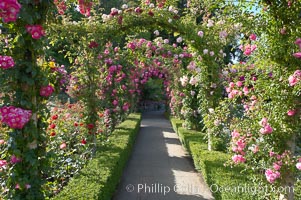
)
(261, 111)
(70, 144)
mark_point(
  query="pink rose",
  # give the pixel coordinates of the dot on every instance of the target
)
(240, 144)
(115, 102)
(239, 83)
(228, 89)
(271, 175)
(271, 153)
(255, 149)
(46, 91)
(292, 80)
(263, 122)
(231, 95)
(266, 129)
(291, 112)
(235, 134)
(283, 31)
(252, 36)
(298, 42)
(14, 159)
(276, 166)
(63, 145)
(200, 33)
(36, 31)
(27, 186)
(6, 62)
(238, 159)
(253, 47)
(9, 10)
(247, 52)
(297, 55)
(15, 117)
(297, 73)
(245, 90)
(3, 163)
(298, 165)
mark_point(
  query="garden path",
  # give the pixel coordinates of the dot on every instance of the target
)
(159, 167)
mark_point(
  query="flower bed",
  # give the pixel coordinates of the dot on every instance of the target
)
(99, 178)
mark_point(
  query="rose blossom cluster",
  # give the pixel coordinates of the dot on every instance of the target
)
(126, 106)
(295, 78)
(46, 91)
(233, 92)
(279, 160)
(248, 49)
(6, 62)
(250, 105)
(64, 76)
(238, 146)
(107, 117)
(184, 80)
(266, 127)
(298, 164)
(115, 72)
(298, 42)
(291, 112)
(9, 10)
(271, 175)
(151, 72)
(114, 13)
(15, 117)
(238, 159)
(3, 164)
(85, 7)
(61, 6)
(36, 31)
(14, 159)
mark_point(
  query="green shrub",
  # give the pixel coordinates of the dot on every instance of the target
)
(176, 123)
(219, 144)
(100, 177)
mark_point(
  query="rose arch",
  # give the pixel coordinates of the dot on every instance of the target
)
(196, 38)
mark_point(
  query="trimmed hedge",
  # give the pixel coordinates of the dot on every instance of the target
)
(98, 180)
(226, 183)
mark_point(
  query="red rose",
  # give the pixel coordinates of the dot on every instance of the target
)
(52, 126)
(90, 126)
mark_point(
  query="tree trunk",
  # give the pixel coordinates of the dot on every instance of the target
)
(289, 178)
(209, 135)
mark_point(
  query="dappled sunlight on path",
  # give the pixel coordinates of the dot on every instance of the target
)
(159, 168)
